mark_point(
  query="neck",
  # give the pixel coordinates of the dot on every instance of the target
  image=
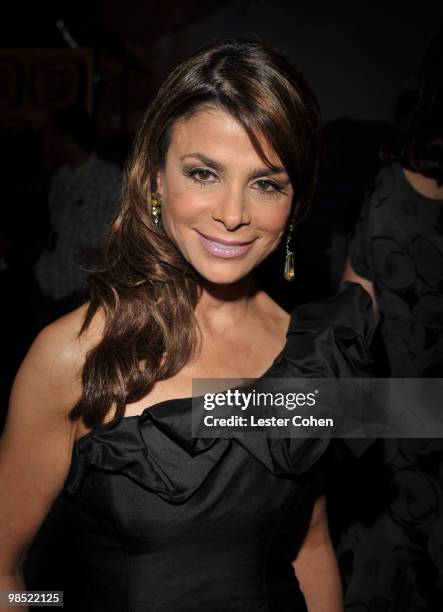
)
(220, 305)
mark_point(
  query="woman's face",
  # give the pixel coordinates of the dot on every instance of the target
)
(221, 205)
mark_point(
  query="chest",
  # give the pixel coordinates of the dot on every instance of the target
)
(230, 361)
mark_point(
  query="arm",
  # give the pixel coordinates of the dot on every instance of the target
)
(350, 275)
(35, 447)
(316, 565)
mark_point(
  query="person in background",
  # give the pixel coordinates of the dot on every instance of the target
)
(83, 199)
(396, 253)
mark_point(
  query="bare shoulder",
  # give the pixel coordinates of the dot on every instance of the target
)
(37, 440)
(63, 341)
(55, 359)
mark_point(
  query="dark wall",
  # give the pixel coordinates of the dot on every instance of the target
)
(356, 55)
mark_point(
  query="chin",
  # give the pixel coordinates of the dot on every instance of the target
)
(222, 277)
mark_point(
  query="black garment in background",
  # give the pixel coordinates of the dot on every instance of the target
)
(349, 163)
(398, 245)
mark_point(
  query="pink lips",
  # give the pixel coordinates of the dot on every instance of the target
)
(224, 249)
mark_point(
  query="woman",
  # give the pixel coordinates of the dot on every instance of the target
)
(223, 166)
(396, 253)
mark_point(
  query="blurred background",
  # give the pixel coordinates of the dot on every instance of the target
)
(108, 58)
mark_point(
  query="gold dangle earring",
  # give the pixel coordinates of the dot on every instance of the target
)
(289, 270)
(156, 208)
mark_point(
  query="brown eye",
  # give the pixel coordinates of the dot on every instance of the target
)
(268, 187)
(201, 175)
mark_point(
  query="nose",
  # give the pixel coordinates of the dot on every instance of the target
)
(232, 209)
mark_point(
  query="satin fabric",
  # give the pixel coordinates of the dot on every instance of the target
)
(168, 522)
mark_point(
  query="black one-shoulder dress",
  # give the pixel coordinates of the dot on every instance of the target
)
(167, 522)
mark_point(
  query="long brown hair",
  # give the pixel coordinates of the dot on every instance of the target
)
(145, 288)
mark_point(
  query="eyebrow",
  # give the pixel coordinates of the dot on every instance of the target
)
(266, 171)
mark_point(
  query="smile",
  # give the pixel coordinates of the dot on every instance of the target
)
(223, 248)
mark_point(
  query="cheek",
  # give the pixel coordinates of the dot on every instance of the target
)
(272, 220)
(183, 205)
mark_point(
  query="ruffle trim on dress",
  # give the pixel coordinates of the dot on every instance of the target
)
(156, 449)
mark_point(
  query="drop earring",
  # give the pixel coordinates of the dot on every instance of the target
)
(289, 270)
(156, 208)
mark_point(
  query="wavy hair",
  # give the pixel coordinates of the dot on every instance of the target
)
(145, 288)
